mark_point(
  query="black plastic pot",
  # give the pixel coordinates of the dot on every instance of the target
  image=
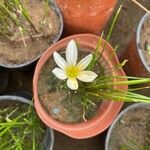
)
(48, 142)
(136, 65)
(125, 111)
(54, 39)
(4, 78)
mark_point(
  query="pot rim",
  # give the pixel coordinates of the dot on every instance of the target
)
(138, 40)
(49, 131)
(47, 119)
(124, 111)
(56, 9)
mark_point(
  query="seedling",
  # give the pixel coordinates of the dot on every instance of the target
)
(20, 128)
(148, 49)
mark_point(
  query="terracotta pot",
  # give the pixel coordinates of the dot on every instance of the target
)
(85, 16)
(136, 65)
(107, 111)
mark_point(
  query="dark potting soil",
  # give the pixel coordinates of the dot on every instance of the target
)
(132, 131)
(16, 52)
(23, 133)
(145, 40)
(61, 105)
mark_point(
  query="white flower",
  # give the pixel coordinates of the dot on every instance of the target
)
(70, 69)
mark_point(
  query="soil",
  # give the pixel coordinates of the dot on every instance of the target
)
(62, 105)
(15, 52)
(6, 108)
(145, 40)
(132, 130)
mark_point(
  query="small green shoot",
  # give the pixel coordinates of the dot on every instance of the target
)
(20, 128)
(134, 146)
(148, 49)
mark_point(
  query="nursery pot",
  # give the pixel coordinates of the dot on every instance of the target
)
(113, 140)
(11, 64)
(108, 109)
(137, 64)
(88, 16)
(48, 141)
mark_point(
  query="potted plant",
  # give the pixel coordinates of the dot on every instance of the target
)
(79, 14)
(138, 50)
(20, 127)
(130, 130)
(81, 109)
(27, 28)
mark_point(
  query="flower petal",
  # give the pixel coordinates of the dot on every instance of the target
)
(72, 83)
(59, 60)
(87, 76)
(71, 53)
(59, 73)
(83, 63)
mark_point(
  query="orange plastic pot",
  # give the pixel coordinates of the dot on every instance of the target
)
(107, 111)
(136, 65)
(85, 16)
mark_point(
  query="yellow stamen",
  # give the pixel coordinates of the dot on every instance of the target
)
(72, 71)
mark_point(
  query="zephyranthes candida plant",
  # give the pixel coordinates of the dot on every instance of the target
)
(99, 86)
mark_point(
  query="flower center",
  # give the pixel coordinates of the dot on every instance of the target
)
(72, 71)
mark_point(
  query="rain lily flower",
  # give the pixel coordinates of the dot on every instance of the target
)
(70, 69)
